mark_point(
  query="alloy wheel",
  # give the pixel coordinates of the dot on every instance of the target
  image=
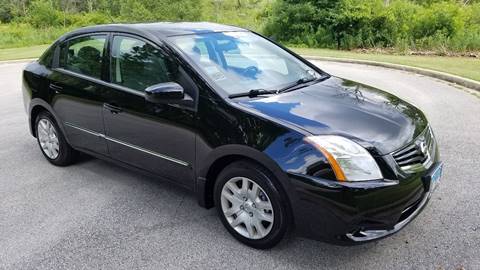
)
(247, 208)
(48, 138)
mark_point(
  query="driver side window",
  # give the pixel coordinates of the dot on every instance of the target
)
(137, 65)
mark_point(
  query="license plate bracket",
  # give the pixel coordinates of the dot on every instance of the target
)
(432, 178)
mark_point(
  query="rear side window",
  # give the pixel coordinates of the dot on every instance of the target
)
(137, 65)
(84, 55)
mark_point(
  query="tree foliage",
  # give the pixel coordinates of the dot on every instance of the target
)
(67, 12)
(439, 25)
(346, 24)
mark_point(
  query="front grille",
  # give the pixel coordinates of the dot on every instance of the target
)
(416, 155)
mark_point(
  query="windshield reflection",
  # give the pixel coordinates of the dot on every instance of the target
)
(241, 61)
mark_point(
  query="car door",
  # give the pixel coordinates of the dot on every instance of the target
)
(159, 138)
(76, 87)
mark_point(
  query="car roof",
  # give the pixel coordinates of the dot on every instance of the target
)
(158, 30)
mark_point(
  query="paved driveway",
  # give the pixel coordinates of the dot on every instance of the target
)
(96, 215)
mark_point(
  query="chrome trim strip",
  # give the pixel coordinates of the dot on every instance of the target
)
(148, 151)
(409, 143)
(91, 132)
(99, 81)
(430, 144)
(171, 159)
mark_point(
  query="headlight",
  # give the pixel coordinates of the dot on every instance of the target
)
(349, 160)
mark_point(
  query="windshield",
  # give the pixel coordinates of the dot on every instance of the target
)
(241, 61)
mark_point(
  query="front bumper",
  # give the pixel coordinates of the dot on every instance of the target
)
(352, 213)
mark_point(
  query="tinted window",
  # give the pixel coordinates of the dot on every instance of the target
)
(84, 55)
(137, 65)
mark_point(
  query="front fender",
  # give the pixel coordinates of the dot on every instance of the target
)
(247, 152)
(285, 155)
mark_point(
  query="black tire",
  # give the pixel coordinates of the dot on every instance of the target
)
(66, 154)
(269, 184)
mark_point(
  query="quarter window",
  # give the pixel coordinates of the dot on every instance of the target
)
(137, 65)
(84, 55)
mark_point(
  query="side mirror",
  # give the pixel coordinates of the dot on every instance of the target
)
(164, 93)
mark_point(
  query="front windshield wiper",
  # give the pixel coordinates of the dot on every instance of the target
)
(257, 92)
(254, 93)
(303, 80)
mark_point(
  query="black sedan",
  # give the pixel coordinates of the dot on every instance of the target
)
(270, 140)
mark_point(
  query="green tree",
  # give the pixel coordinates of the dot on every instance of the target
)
(41, 14)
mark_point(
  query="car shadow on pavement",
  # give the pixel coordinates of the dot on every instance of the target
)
(83, 158)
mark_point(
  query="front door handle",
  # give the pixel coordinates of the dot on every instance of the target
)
(57, 88)
(112, 108)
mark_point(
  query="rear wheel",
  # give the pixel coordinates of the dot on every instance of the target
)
(52, 141)
(250, 205)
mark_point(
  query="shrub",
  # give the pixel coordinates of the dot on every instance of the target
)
(440, 25)
(22, 34)
(85, 19)
(41, 14)
(444, 18)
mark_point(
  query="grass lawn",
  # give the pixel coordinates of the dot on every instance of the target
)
(461, 66)
(22, 53)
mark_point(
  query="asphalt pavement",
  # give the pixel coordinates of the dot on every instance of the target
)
(95, 215)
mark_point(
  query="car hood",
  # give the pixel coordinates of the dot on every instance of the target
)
(375, 119)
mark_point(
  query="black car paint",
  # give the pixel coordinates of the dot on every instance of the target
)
(337, 106)
(189, 142)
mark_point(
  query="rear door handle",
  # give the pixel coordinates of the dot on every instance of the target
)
(57, 88)
(112, 108)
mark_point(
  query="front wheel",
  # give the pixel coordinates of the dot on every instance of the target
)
(250, 205)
